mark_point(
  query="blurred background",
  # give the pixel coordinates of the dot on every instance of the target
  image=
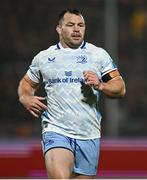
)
(27, 27)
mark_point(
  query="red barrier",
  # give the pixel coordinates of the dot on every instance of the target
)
(118, 158)
(123, 158)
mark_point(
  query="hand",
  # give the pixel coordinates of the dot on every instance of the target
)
(92, 79)
(34, 105)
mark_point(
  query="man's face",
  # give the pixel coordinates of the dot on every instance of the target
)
(71, 30)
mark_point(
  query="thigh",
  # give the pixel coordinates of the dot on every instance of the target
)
(59, 163)
(59, 158)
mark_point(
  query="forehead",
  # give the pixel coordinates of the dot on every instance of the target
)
(68, 17)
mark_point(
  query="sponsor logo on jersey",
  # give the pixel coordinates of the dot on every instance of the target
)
(82, 59)
(68, 73)
(65, 80)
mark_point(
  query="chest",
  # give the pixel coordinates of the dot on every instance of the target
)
(65, 65)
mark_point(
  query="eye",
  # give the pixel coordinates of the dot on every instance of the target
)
(81, 25)
(69, 25)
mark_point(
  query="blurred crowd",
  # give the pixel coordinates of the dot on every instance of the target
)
(27, 27)
(132, 55)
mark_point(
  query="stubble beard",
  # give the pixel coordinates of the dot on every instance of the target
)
(74, 44)
(71, 43)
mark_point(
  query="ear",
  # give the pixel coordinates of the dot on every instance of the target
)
(58, 29)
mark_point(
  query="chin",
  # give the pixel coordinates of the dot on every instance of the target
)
(76, 44)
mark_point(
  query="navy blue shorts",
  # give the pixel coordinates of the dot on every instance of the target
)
(86, 152)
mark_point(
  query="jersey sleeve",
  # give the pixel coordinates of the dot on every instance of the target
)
(107, 64)
(33, 71)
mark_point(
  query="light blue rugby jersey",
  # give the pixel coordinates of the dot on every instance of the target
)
(72, 105)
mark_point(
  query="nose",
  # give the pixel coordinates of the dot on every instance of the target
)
(76, 28)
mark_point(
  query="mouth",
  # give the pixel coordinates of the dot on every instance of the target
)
(76, 36)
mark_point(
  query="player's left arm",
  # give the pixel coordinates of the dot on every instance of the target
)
(112, 83)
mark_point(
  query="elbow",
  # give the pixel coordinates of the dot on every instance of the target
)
(122, 92)
(117, 95)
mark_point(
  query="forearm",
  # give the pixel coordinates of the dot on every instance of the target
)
(32, 103)
(114, 88)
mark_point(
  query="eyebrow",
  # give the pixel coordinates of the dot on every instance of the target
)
(75, 23)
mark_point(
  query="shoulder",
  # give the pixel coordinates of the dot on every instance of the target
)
(46, 52)
(41, 57)
(96, 50)
(100, 54)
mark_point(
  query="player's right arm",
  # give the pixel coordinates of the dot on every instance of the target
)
(26, 93)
